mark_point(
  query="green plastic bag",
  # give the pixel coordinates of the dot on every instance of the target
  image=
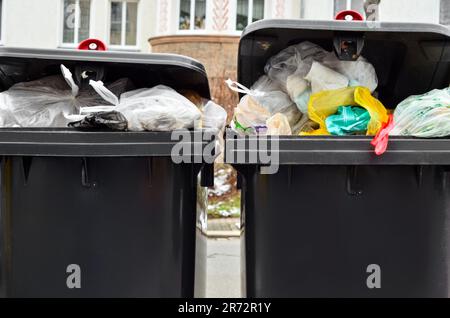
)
(348, 120)
(424, 116)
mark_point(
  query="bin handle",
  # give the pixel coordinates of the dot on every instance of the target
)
(352, 187)
(85, 182)
(349, 15)
(92, 45)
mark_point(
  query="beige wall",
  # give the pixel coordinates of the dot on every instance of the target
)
(38, 23)
(426, 11)
(390, 10)
(31, 23)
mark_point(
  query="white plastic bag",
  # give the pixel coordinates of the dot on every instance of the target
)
(214, 116)
(296, 85)
(52, 101)
(323, 78)
(262, 101)
(425, 116)
(159, 108)
(359, 72)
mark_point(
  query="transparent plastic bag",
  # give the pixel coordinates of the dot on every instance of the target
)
(215, 117)
(425, 116)
(159, 108)
(261, 102)
(296, 59)
(323, 78)
(278, 125)
(359, 72)
(250, 115)
(52, 101)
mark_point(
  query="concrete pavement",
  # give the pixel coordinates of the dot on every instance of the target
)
(223, 268)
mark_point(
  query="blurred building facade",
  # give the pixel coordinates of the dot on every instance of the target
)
(128, 24)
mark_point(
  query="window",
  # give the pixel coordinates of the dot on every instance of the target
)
(192, 15)
(356, 5)
(248, 11)
(76, 15)
(445, 12)
(123, 27)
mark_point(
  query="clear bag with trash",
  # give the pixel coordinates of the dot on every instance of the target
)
(52, 101)
(306, 68)
(425, 116)
(160, 108)
(264, 100)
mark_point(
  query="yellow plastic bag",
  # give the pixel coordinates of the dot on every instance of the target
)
(326, 103)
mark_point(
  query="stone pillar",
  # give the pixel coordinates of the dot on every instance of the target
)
(221, 12)
(218, 53)
(163, 17)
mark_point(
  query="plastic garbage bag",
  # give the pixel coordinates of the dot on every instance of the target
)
(323, 78)
(348, 120)
(296, 85)
(425, 116)
(302, 101)
(261, 102)
(278, 125)
(381, 140)
(359, 72)
(47, 102)
(269, 95)
(296, 59)
(159, 108)
(250, 115)
(214, 116)
(326, 103)
(108, 120)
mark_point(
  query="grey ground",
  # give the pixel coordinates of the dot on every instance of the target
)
(224, 274)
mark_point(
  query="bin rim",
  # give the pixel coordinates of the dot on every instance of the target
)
(69, 142)
(105, 56)
(364, 26)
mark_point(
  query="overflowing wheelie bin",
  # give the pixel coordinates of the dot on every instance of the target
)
(335, 219)
(100, 213)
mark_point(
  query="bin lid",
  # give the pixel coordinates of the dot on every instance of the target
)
(145, 69)
(409, 58)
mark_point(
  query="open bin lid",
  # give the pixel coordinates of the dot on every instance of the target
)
(145, 70)
(409, 58)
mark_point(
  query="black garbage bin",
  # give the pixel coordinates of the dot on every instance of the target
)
(100, 213)
(336, 220)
